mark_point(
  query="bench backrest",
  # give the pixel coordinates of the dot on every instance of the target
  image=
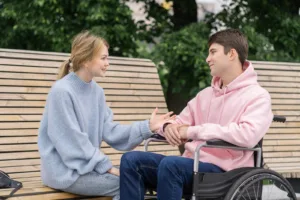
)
(132, 89)
(282, 142)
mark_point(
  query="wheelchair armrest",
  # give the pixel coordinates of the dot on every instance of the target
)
(278, 118)
(219, 143)
(222, 143)
(154, 138)
(157, 136)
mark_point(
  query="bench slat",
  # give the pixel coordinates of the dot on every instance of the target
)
(47, 55)
(282, 90)
(281, 154)
(32, 118)
(280, 84)
(281, 148)
(25, 175)
(5, 89)
(41, 104)
(278, 79)
(278, 73)
(53, 77)
(43, 77)
(116, 111)
(109, 98)
(285, 136)
(24, 59)
(31, 83)
(54, 69)
(281, 131)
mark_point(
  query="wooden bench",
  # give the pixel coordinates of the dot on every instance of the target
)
(132, 88)
(282, 142)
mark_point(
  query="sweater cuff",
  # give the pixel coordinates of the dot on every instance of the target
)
(103, 167)
(192, 132)
(145, 129)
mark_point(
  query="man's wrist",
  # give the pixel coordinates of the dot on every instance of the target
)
(165, 126)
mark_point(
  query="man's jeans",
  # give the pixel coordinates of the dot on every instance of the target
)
(171, 176)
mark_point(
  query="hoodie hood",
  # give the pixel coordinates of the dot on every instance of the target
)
(248, 77)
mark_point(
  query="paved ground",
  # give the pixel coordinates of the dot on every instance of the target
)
(271, 192)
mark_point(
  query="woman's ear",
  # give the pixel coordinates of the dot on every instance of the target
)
(85, 64)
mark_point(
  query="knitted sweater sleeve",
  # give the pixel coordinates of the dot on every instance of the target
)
(124, 137)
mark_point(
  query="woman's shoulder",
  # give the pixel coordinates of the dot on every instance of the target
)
(98, 87)
(60, 87)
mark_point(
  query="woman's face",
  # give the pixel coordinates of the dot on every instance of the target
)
(99, 64)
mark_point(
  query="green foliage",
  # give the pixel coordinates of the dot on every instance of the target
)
(158, 21)
(50, 25)
(274, 22)
(180, 57)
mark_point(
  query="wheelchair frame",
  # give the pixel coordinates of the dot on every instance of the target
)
(215, 144)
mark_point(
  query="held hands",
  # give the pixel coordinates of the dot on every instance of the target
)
(176, 134)
(114, 171)
(156, 121)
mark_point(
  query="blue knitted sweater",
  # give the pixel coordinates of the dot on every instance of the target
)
(75, 122)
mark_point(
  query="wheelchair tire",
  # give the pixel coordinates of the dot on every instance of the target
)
(256, 176)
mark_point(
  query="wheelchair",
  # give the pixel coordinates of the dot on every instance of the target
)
(255, 183)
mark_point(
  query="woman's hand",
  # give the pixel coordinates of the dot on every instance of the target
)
(156, 121)
(114, 171)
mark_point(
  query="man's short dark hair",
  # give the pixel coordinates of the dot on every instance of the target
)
(231, 39)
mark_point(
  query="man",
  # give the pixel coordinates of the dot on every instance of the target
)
(234, 109)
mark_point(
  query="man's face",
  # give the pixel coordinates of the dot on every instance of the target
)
(217, 60)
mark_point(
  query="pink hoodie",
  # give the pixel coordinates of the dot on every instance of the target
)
(239, 113)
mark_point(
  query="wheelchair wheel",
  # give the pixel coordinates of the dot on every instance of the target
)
(261, 184)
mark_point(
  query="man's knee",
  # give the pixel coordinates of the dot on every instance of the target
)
(168, 163)
(130, 158)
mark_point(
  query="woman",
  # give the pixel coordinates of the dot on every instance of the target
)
(76, 120)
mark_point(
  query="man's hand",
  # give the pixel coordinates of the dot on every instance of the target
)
(183, 132)
(114, 171)
(172, 135)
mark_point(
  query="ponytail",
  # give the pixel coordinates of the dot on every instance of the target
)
(64, 69)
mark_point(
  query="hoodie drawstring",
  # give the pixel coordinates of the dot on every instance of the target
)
(223, 102)
(207, 116)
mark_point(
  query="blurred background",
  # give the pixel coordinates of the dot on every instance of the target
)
(173, 34)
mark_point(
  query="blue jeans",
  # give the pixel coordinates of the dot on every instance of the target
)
(171, 176)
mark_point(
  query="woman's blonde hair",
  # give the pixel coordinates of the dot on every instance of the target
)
(85, 45)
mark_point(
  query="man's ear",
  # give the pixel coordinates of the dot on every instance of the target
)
(233, 54)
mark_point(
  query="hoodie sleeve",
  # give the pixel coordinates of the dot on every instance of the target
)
(253, 124)
(185, 117)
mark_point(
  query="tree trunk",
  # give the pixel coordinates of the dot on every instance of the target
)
(185, 13)
(176, 102)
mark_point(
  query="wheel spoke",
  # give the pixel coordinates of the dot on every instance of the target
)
(265, 186)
